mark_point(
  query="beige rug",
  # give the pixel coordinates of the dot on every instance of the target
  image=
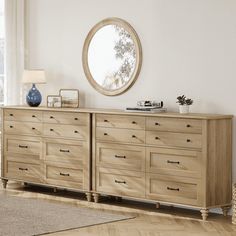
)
(26, 217)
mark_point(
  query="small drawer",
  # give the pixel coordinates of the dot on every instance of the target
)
(66, 131)
(120, 182)
(22, 115)
(120, 156)
(118, 121)
(173, 162)
(174, 125)
(73, 118)
(174, 139)
(180, 190)
(120, 135)
(22, 128)
(23, 171)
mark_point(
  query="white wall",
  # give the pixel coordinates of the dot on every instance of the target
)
(189, 47)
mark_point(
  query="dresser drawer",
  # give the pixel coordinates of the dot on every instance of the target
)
(22, 115)
(73, 118)
(119, 121)
(174, 125)
(120, 182)
(22, 128)
(174, 189)
(173, 162)
(120, 135)
(120, 156)
(66, 131)
(174, 139)
(23, 171)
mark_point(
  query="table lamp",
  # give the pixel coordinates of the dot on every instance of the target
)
(34, 98)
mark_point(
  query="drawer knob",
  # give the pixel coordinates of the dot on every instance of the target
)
(33, 128)
(188, 140)
(11, 114)
(51, 129)
(188, 126)
(75, 118)
(173, 189)
(119, 156)
(106, 121)
(23, 146)
(11, 126)
(120, 182)
(64, 150)
(33, 116)
(173, 162)
(133, 136)
(157, 123)
(134, 122)
(23, 169)
(62, 174)
(157, 138)
(76, 131)
(51, 117)
(105, 134)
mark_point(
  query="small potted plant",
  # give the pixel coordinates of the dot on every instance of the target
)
(184, 103)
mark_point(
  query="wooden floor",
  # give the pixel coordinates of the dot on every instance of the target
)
(148, 221)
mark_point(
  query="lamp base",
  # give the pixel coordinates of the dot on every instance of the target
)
(33, 98)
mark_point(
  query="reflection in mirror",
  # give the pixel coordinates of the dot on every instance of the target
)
(112, 56)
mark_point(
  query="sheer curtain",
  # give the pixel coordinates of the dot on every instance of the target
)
(14, 24)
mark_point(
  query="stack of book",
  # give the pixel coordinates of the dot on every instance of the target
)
(148, 108)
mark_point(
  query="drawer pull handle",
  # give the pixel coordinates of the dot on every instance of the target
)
(64, 150)
(105, 134)
(76, 131)
(11, 126)
(173, 162)
(33, 116)
(23, 169)
(75, 118)
(134, 122)
(51, 117)
(118, 156)
(23, 146)
(51, 129)
(157, 123)
(188, 140)
(33, 128)
(133, 136)
(157, 138)
(120, 182)
(173, 189)
(11, 114)
(188, 126)
(106, 121)
(62, 174)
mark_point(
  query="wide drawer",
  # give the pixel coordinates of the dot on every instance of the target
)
(174, 189)
(66, 131)
(74, 118)
(120, 156)
(120, 135)
(22, 128)
(22, 115)
(120, 182)
(174, 125)
(67, 177)
(23, 171)
(120, 121)
(185, 140)
(173, 162)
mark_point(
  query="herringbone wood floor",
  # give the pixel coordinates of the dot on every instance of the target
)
(148, 221)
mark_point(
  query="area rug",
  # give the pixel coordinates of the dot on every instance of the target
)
(27, 217)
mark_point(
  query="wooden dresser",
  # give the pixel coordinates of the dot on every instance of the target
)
(166, 158)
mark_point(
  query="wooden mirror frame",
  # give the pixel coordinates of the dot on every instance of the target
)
(138, 49)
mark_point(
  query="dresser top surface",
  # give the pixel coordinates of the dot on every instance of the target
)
(124, 112)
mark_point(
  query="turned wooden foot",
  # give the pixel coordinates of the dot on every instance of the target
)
(158, 205)
(96, 197)
(89, 196)
(225, 210)
(4, 183)
(204, 212)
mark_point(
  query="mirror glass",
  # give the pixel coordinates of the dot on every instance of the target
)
(111, 56)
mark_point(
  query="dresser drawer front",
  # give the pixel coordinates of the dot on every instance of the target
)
(22, 128)
(120, 121)
(120, 135)
(174, 139)
(174, 125)
(173, 162)
(120, 182)
(66, 131)
(120, 156)
(66, 118)
(23, 171)
(22, 115)
(173, 189)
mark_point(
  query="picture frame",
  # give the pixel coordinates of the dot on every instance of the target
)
(54, 101)
(70, 98)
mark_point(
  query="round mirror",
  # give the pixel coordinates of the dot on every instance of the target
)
(112, 56)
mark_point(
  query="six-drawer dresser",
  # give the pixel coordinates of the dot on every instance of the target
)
(167, 158)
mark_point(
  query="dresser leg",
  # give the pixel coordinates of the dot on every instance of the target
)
(204, 212)
(4, 182)
(158, 205)
(225, 210)
(96, 197)
(89, 196)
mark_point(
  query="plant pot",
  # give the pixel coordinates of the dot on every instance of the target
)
(183, 109)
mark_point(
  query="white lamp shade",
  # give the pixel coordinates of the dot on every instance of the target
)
(34, 77)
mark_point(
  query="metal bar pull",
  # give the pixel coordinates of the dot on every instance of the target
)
(173, 189)
(173, 162)
(23, 169)
(120, 182)
(118, 156)
(22, 146)
(62, 174)
(64, 150)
